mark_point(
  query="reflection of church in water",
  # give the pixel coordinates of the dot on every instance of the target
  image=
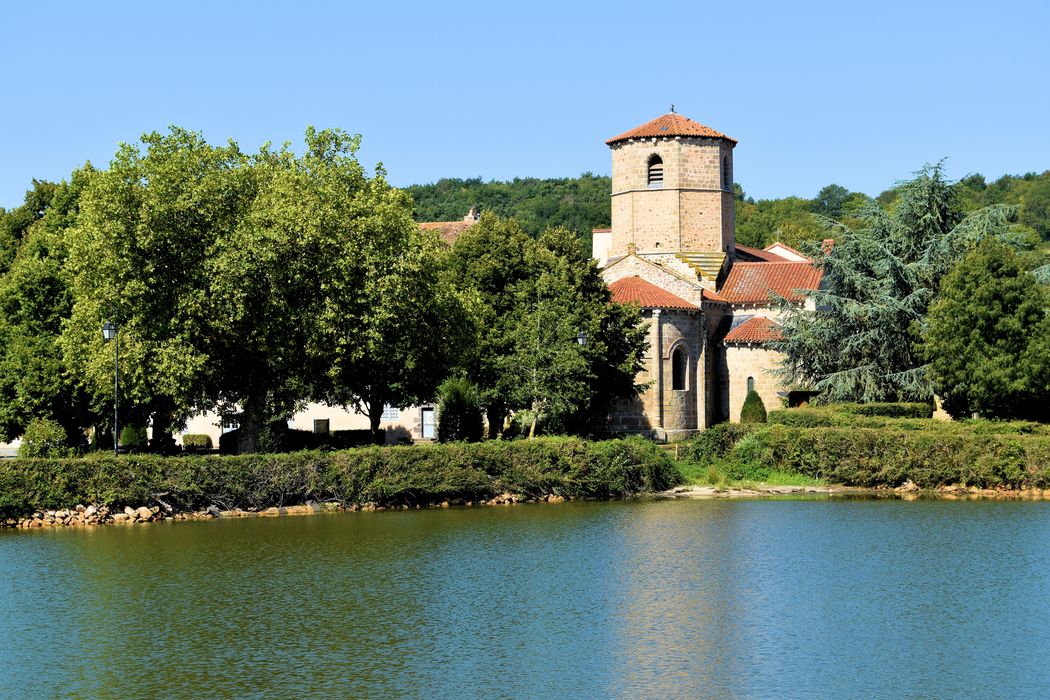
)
(672, 250)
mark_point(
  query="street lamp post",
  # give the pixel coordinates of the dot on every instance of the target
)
(109, 332)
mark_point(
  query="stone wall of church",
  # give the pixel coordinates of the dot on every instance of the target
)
(649, 219)
(703, 220)
(745, 361)
(660, 410)
(681, 330)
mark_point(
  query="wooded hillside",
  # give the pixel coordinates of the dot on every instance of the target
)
(582, 203)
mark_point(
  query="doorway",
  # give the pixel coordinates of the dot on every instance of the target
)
(428, 423)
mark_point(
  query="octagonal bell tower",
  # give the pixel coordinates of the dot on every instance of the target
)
(672, 192)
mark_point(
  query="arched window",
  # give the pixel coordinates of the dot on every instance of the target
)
(726, 180)
(750, 383)
(678, 364)
(656, 172)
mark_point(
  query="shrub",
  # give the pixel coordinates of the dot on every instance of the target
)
(344, 439)
(714, 443)
(753, 411)
(43, 437)
(886, 410)
(197, 441)
(887, 457)
(459, 417)
(391, 475)
(133, 438)
(807, 417)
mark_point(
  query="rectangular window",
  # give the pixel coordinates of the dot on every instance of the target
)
(390, 413)
(321, 426)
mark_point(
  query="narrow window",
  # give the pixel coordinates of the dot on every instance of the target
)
(678, 361)
(725, 173)
(750, 383)
(656, 172)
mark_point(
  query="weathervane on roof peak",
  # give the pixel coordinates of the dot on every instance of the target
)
(672, 109)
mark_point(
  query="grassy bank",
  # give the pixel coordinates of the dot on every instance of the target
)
(839, 447)
(427, 474)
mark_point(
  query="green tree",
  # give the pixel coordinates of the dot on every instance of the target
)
(459, 417)
(988, 337)
(139, 253)
(1036, 206)
(398, 325)
(15, 223)
(43, 438)
(862, 343)
(789, 220)
(830, 201)
(578, 204)
(535, 298)
(35, 300)
(753, 410)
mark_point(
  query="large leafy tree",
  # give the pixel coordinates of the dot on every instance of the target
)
(988, 337)
(862, 343)
(395, 325)
(536, 298)
(138, 255)
(35, 382)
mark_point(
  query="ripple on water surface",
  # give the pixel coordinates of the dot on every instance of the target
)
(819, 598)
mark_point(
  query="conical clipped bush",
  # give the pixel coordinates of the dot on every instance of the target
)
(459, 413)
(754, 411)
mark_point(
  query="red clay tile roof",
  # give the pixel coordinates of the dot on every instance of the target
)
(646, 295)
(708, 295)
(670, 124)
(448, 230)
(751, 283)
(758, 255)
(756, 329)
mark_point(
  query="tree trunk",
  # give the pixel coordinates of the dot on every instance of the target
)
(375, 414)
(535, 419)
(162, 441)
(496, 413)
(251, 422)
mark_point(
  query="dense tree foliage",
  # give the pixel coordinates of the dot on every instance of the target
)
(243, 283)
(459, 417)
(988, 337)
(862, 344)
(535, 299)
(35, 300)
(578, 204)
(582, 203)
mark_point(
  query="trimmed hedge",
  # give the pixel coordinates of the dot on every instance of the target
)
(886, 410)
(753, 410)
(886, 457)
(829, 417)
(282, 439)
(197, 441)
(387, 475)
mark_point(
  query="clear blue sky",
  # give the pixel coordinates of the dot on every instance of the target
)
(815, 92)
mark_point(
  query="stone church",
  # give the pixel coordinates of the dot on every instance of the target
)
(709, 302)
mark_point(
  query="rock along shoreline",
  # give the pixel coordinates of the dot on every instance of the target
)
(92, 516)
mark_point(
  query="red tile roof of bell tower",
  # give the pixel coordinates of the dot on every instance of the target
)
(670, 124)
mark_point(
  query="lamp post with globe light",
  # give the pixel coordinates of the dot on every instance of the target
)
(109, 332)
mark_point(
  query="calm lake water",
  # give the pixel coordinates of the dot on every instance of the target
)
(784, 598)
